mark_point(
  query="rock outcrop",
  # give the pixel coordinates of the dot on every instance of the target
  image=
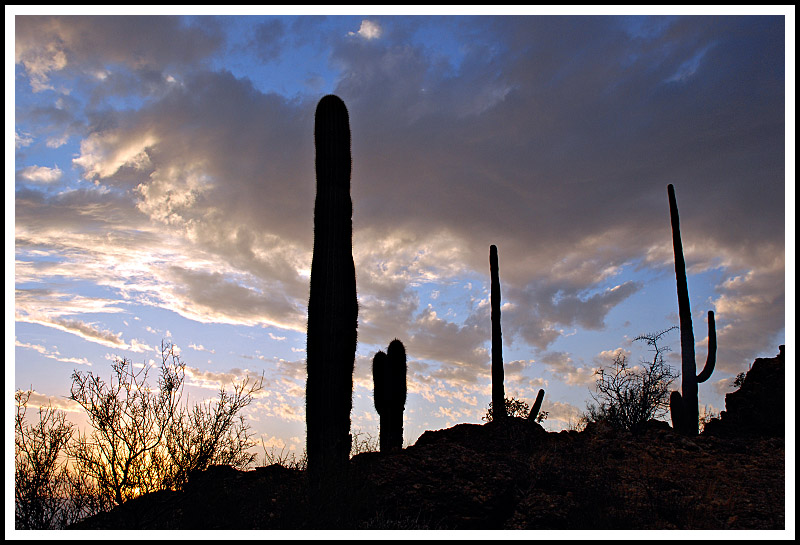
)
(758, 407)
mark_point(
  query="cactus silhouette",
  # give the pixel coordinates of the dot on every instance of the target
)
(537, 405)
(684, 404)
(389, 378)
(498, 393)
(332, 304)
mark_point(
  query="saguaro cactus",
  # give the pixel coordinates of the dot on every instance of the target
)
(332, 304)
(389, 378)
(684, 404)
(498, 393)
(537, 405)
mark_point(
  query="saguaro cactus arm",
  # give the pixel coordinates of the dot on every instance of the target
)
(537, 405)
(711, 359)
(379, 381)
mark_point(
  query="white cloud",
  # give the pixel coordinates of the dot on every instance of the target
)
(562, 367)
(565, 414)
(39, 62)
(103, 154)
(37, 174)
(38, 400)
(22, 140)
(52, 354)
(57, 141)
(214, 380)
(200, 348)
(369, 30)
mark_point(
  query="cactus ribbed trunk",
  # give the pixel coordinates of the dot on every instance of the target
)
(684, 405)
(332, 304)
(688, 363)
(498, 392)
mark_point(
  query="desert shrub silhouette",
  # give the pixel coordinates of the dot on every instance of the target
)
(139, 440)
(517, 408)
(627, 397)
(44, 491)
(332, 303)
(142, 439)
(684, 406)
(389, 379)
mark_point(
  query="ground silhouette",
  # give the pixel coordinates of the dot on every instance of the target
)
(512, 475)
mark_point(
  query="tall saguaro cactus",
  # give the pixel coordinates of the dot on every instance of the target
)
(684, 404)
(332, 304)
(498, 393)
(389, 377)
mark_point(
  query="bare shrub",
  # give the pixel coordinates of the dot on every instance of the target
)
(363, 442)
(515, 407)
(40, 486)
(142, 439)
(283, 458)
(627, 397)
(706, 416)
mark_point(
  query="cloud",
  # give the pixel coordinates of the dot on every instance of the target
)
(723, 386)
(89, 332)
(200, 348)
(38, 400)
(542, 308)
(22, 140)
(607, 357)
(37, 174)
(564, 413)
(102, 157)
(267, 39)
(553, 138)
(460, 348)
(369, 30)
(54, 354)
(214, 380)
(749, 311)
(47, 44)
(211, 297)
(52, 309)
(561, 366)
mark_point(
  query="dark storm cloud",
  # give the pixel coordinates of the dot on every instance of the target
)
(215, 297)
(46, 43)
(557, 138)
(540, 308)
(574, 130)
(267, 37)
(553, 138)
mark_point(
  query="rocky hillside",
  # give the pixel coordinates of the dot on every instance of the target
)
(513, 476)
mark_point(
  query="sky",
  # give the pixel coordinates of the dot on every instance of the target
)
(164, 185)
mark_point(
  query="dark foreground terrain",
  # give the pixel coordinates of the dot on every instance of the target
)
(514, 476)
